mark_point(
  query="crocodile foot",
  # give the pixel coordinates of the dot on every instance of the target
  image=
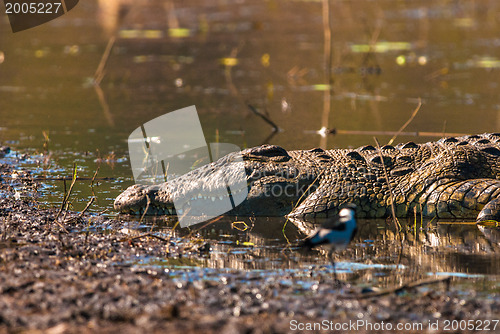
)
(491, 211)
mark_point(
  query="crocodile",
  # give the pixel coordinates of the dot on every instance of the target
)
(452, 178)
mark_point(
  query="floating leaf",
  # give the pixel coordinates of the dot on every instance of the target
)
(381, 47)
(464, 22)
(240, 226)
(321, 87)
(245, 243)
(265, 59)
(248, 243)
(401, 60)
(487, 62)
(40, 53)
(229, 61)
(142, 59)
(152, 34)
(138, 33)
(179, 32)
(270, 90)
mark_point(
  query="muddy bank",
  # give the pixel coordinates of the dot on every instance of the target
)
(81, 274)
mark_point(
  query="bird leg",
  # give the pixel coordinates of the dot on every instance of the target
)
(331, 254)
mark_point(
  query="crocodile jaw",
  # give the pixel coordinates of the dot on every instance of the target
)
(159, 200)
(140, 198)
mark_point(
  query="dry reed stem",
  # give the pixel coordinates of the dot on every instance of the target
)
(80, 215)
(402, 287)
(415, 112)
(393, 210)
(264, 117)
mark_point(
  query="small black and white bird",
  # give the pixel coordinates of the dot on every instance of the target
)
(336, 233)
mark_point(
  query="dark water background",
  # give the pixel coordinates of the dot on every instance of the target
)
(222, 56)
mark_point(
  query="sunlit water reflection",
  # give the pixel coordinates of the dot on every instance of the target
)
(378, 256)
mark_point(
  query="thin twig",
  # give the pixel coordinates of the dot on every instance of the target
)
(205, 225)
(104, 105)
(101, 212)
(61, 226)
(307, 190)
(328, 64)
(99, 73)
(264, 117)
(143, 236)
(288, 243)
(66, 178)
(391, 133)
(94, 177)
(415, 112)
(145, 210)
(393, 210)
(68, 194)
(402, 287)
(87, 232)
(93, 180)
(80, 215)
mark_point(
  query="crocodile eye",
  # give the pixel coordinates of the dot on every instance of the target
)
(267, 152)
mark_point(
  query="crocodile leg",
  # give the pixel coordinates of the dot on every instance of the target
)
(457, 199)
(491, 211)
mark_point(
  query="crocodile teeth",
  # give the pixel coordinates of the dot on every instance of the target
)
(213, 199)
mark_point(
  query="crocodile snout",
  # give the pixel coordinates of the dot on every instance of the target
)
(135, 199)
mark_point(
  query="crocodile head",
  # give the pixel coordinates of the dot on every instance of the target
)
(269, 171)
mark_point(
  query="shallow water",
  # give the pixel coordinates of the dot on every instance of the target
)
(221, 56)
(378, 256)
